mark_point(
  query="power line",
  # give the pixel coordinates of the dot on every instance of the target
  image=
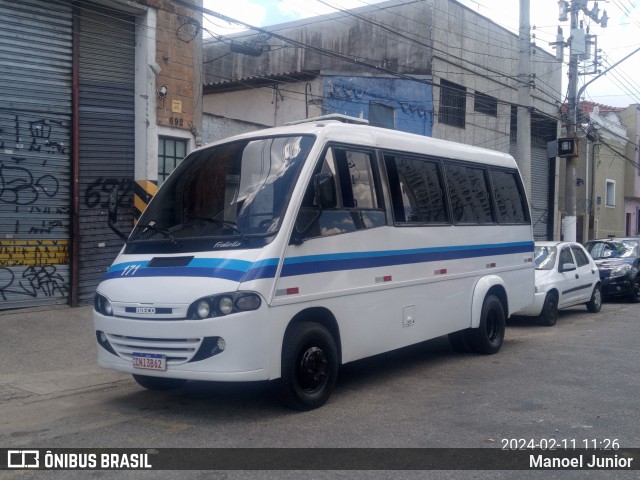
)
(366, 62)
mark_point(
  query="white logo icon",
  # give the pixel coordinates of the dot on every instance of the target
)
(23, 458)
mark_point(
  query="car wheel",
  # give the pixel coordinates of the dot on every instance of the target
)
(549, 315)
(309, 367)
(595, 304)
(460, 341)
(158, 383)
(488, 337)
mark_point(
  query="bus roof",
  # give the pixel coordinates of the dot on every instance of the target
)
(376, 137)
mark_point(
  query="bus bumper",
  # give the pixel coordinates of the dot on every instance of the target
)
(228, 349)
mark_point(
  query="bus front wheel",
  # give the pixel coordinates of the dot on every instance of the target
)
(309, 367)
(488, 337)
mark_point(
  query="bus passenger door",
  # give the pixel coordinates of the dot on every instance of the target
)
(332, 254)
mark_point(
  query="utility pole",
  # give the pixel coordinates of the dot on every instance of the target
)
(579, 49)
(524, 98)
(570, 219)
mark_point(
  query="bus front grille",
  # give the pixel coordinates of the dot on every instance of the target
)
(176, 350)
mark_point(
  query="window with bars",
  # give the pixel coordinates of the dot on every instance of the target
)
(485, 104)
(453, 104)
(171, 151)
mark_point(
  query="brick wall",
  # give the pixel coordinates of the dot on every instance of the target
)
(176, 38)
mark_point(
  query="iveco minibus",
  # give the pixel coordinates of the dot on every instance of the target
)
(284, 253)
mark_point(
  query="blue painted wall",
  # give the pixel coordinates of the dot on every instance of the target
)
(411, 101)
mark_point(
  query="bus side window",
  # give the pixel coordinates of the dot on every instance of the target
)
(416, 189)
(469, 194)
(356, 192)
(510, 200)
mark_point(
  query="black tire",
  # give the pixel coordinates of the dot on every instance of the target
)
(595, 304)
(549, 315)
(635, 292)
(488, 337)
(460, 341)
(309, 367)
(158, 383)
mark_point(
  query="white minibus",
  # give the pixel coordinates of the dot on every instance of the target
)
(281, 254)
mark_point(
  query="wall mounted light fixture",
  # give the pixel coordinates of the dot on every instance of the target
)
(162, 92)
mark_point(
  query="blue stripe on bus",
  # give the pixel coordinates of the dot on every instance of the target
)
(243, 271)
(359, 260)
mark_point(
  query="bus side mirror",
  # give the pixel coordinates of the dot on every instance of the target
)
(325, 196)
(325, 186)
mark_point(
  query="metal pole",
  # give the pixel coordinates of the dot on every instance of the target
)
(524, 98)
(75, 161)
(569, 222)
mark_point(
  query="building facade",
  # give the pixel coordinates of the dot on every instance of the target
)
(433, 68)
(630, 118)
(96, 95)
(600, 172)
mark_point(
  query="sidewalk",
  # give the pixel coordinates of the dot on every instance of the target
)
(49, 351)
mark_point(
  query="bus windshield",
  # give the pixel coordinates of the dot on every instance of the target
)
(232, 192)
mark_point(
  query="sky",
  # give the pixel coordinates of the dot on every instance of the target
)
(619, 87)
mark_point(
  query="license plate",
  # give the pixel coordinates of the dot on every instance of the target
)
(149, 361)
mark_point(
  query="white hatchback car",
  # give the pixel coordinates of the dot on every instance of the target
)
(565, 276)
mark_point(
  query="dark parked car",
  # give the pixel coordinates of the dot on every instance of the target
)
(618, 260)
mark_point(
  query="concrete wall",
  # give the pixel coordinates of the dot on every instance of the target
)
(432, 39)
(630, 118)
(270, 105)
(609, 220)
(353, 96)
(396, 38)
(216, 128)
(472, 51)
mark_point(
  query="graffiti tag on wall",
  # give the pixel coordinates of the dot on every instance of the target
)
(22, 253)
(37, 281)
(19, 187)
(34, 206)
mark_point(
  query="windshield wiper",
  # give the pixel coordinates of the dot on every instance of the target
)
(163, 231)
(221, 223)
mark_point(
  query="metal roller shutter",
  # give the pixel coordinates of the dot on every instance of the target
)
(539, 189)
(35, 153)
(106, 137)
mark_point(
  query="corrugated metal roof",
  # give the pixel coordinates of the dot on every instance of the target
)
(259, 80)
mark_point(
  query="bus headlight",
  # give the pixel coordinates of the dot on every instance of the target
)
(248, 302)
(224, 304)
(203, 309)
(102, 305)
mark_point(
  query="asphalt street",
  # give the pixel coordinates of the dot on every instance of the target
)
(577, 380)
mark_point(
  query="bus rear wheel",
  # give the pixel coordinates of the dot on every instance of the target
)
(309, 367)
(488, 337)
(158, 383)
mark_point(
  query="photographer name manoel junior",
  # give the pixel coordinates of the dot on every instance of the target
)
(580, 461)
